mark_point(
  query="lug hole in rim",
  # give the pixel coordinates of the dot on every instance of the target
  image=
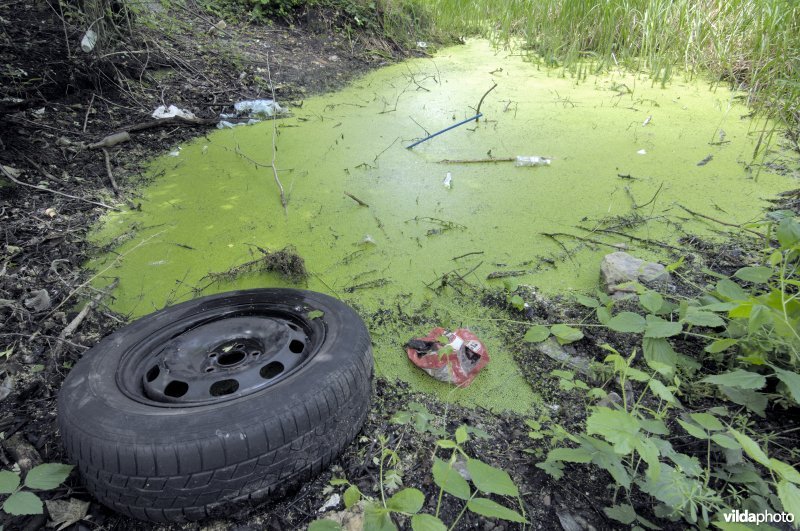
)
(176, 389)
(297, 346)
(224, 387)
(153, 373)
(271, 370)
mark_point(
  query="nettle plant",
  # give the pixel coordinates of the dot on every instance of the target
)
(448, 471)
(20, 500)
(748, 326)
(632, 443)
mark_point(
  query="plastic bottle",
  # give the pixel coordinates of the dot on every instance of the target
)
(532, 160)
(448, 180)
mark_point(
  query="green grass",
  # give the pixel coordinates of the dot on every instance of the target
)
(753, 44)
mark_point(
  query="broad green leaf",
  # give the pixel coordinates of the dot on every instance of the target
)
(449, 480)
(726, 442)
(560, 373)
(9, 482)
(752, 400)
(720, 345)
(554, 468)
(461, 434)
(446, 443)
(426, 522)
(739, 378)
(636, 375)
(536, 334)
(731, 290)
(662, 392)
(588, 302)
(788, 234)
(751, 448)
(627, 322)
(603, 315)
(707, 421)
(697, 317)
(566, 334)
(571, 455)
(688, 464)
(47, 476)
(377, 518)
(517, 302)
(649, 452)
(790, 497)
(23, 502)
(407, 501)
(792, 382)
(658, 327)
(351, 496)
(324, 525)
(490, 509)
(719, 307)
(315, 314)
(694, 431)
(490, 479)
(335, 482)
(756, 275)
(651, 301)
(619, 428)
(786, 471)
(659, 355)
(621, 513)
(654, 426)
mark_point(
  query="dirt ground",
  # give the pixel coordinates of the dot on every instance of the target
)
(55, 101)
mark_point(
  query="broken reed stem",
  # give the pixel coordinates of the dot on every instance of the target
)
(478, 110)
(715, 220)
(274, 148)
(476, 161)
(357, 200)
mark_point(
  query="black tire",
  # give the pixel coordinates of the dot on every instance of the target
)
(159, 457)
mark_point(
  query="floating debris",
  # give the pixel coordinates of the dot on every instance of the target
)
(705, 160)
(448, 180)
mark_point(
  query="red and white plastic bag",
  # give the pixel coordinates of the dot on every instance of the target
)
(456, 362)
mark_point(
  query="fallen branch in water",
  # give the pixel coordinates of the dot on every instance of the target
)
(274, 148)
(478, 110)
(476, 161)
(357, 200)
(715, 220)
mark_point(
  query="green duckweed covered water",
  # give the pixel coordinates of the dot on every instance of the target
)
(209, 208)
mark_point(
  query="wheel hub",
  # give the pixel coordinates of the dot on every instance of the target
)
(224, 359)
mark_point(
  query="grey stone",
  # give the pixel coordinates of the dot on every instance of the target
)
(39, 300)
(559, 353)
(620, 268)
(568, 522)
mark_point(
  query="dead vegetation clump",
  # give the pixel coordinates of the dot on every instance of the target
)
(286, 262)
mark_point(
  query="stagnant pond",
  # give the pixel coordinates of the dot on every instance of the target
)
(626, 155)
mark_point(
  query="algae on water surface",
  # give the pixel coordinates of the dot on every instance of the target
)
(623, 152)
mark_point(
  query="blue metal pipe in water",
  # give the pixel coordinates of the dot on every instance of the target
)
(445, 130)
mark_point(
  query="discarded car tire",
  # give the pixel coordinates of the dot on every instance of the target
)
(217, 404)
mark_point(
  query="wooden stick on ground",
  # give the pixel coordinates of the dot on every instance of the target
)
(274, 148)
(76, 322)
(107, 158)
(43, 189)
